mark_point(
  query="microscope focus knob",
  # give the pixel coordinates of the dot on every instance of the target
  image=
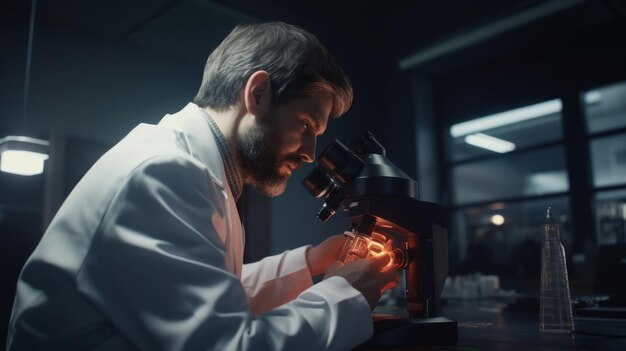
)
(400, 258)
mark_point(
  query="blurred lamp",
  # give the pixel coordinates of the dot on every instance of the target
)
(20, 154)
(23, 155)
(497, 219)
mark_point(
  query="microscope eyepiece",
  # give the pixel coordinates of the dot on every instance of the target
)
(318, 182)
(359, 170)
(337, 165)
(340, 161)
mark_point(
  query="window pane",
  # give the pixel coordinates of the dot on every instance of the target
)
(505, 239)
(605, 107)
(611, 217)
(608, 160)
(530, 173)
(506, 131)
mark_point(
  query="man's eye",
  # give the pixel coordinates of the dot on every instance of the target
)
(306, 125)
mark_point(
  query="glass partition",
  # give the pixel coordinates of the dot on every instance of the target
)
(605, 108)
(611, 217)
(608, 160)
(532, 173)
(506, 131)
(505, 239)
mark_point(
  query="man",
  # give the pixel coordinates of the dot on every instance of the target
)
(146, 252)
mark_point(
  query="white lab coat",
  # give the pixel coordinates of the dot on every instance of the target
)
(147, 251)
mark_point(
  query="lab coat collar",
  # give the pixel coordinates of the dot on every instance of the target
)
(191, 121)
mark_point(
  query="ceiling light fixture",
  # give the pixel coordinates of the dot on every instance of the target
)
(21, 154)
(505, 118)
(490, 143)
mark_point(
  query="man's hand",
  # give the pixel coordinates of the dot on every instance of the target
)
(370, 276)
(320, 257)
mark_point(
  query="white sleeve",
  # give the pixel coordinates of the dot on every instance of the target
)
(276, 280)
(156, 270)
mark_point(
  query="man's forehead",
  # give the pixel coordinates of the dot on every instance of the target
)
(322, 108)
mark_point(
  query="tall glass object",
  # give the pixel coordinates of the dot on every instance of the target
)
(555, 314)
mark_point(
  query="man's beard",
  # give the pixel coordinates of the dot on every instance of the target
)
(259, 150)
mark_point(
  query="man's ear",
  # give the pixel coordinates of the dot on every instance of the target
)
(257, 94)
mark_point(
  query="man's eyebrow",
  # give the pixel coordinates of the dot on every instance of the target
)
(318, 127)
(315, 123)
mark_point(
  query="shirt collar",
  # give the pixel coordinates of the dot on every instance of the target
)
(232, 172)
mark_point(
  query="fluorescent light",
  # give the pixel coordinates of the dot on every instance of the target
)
(22, 155)
(22, 162)
(490, 143)
(505, 118)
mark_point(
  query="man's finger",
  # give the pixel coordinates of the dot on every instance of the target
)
(390, 274)
(379, 261)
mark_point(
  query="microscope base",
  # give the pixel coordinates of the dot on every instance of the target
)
(413, 332)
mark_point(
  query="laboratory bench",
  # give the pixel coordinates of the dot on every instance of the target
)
(510, 325)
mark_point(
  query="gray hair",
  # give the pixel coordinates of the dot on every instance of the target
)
(297, 63)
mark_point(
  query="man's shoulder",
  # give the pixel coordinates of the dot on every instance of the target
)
(155, 147)
(148, 150)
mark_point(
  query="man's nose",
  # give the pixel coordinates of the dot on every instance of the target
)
(307, 150)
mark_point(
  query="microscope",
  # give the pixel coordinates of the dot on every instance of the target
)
(385, 215)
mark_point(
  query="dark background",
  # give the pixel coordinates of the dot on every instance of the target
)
(101, 67)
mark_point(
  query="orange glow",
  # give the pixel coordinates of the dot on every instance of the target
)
(386, 251)
(380, 245)
(390, 264)
(362, 246)
(377, 243)
(375, 247)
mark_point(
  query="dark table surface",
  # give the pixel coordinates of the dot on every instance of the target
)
(511, 324)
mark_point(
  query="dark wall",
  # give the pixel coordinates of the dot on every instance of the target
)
(85, 84)
(21, 214)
